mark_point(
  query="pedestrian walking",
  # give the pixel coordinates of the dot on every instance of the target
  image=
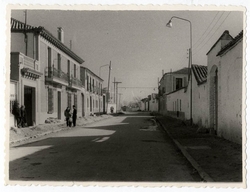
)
(74, 115)
(67, 115)
(23, 116)
(16, 113)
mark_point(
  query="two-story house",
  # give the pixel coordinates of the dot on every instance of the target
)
(169, 83)
(57, 72)
(93, 97)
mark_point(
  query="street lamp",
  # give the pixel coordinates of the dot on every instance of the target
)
(101, 67)
(170, 24)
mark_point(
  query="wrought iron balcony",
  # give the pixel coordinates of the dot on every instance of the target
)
(56, 75)
(76, 82)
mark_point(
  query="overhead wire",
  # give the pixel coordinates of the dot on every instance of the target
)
(206, 30)
(213, 33)
(196, 47)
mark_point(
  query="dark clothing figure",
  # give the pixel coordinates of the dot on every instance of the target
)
(70, 120)
(112, 109)
(67, 115)
(74, 116)
(23, 116)
(16, 113)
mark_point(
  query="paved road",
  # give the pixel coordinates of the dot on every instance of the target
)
(116, 149)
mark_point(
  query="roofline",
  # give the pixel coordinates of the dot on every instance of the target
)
(176, 90)
(226, 31)
(92, 73)
(231, 44)
(48, 36)
(174, 72)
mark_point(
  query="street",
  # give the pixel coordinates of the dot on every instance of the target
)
(122, 148)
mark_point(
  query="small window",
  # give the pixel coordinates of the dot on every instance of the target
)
(69, 99)
(178, 83)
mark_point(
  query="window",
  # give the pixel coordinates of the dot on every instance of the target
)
(88, 102)
(74, 70)
(49, 57)
(58, 61)
(90, 88)
(178, 83)
(87, 83)
(93, 85)
(69, 68)
(69, 99)
(50, 101)
(96, 103)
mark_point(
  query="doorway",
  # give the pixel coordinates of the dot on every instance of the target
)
(103, 103)
(90, 104)
(59, 105)
(30, 105)
(83, 113)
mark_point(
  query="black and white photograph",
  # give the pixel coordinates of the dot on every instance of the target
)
(129, 96)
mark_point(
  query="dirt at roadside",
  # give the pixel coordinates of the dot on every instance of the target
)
(219, 158)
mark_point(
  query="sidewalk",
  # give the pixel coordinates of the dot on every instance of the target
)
(215, 159)
(27, 134)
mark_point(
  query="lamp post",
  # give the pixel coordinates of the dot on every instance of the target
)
(108, 79)
(101, 67)
(169, 24)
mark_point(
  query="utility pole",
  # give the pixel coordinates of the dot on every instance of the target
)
(114, 89)
(108, 85)
(116, 93)
(25, 34)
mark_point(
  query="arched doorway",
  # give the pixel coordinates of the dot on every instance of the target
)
(213, 98)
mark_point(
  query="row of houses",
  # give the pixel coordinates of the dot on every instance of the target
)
(211, 95)
(150, 103)
(46, 76)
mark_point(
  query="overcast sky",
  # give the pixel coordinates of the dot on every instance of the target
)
(138, 43)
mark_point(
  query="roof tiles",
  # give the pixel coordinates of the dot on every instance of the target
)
(200, 73)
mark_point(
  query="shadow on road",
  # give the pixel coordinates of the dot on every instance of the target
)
(115, 151)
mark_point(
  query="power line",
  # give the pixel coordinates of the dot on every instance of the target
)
(214, 32)
(209, 32)
(206, 29)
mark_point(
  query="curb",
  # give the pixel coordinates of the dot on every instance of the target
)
(15, 142)
(199, 169)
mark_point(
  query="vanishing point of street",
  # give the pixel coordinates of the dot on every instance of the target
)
(121, 148)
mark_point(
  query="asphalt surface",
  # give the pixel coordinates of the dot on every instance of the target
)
(123, 148)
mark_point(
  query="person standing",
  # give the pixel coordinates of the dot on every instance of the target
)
(23, 116)
(74, 115)
(16, 113)
(67, 115)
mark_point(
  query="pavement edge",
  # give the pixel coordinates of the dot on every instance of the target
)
(200, 171)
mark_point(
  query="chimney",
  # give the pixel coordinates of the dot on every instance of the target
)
(162, 72)
(60, 34)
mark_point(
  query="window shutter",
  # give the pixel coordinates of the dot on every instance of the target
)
(50, 101)
(69, 100)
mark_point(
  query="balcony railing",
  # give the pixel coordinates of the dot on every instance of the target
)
(51, 72)
(76, 82)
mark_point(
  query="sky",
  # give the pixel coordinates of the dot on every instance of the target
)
(138, 43)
